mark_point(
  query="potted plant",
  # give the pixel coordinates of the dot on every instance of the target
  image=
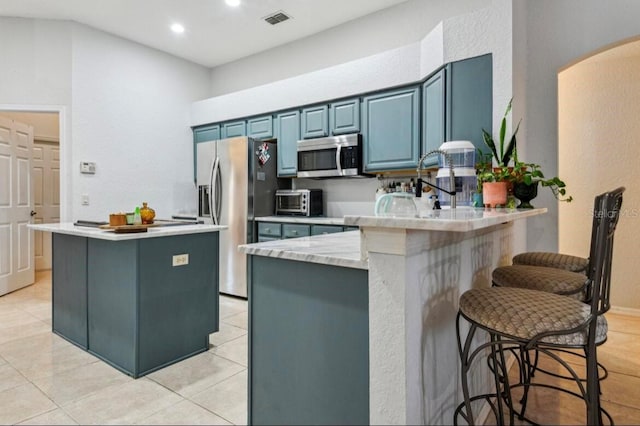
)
(527, 176)
(496, 182)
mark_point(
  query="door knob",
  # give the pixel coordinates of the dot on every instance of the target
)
(33, 213)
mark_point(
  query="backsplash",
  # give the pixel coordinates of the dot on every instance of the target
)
(343, 196)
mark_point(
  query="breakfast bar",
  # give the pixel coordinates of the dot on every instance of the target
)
(138, 301)
(386, 295)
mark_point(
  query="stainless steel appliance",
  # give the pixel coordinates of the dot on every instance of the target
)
(304, 202)
(332, 156)
(237, 182)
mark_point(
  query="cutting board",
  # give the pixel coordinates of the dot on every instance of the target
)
(127, 229)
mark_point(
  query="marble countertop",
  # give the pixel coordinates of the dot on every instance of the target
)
(459, 220)
(102, 234)
(341, 249)
(315, 220)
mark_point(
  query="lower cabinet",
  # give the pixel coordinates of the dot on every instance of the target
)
(270, 231)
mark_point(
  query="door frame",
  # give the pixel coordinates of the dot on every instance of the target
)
(66, 192)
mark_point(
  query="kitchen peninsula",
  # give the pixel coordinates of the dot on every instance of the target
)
(359, 327)
(138, 301)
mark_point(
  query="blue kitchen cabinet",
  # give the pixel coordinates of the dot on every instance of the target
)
(391, 130)
(315, 122)
(234, 129)
(344, 116)
(288, 134)
(325, 229)
(260, 127)
(469, 99)
(210, 132)
(433, 115)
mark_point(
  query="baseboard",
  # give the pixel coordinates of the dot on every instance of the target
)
(625, 311)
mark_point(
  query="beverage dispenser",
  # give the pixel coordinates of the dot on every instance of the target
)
(463, 156)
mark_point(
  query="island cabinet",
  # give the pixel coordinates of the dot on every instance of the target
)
(288, 134)
(137, 304)
(308, 343)
(391, 130)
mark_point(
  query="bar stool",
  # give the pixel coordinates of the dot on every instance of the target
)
(528, 320)
(552, 260)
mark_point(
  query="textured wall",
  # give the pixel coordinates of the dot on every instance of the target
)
(599, 151)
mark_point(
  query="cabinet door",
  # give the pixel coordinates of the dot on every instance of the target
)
(231, 130)
(344, 117)
(203, 134)
(325, 229)
(470, 100)
(288, 134)
(315, 122)
(433, 120)
(269, 229)
(391, 130)
(260, 127)
(294, 230)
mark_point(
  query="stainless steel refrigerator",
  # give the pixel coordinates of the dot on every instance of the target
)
(237, 181)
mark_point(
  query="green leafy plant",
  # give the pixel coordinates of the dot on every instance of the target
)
(503, 156)
(530, 174)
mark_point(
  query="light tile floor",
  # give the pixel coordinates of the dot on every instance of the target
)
(46, 380)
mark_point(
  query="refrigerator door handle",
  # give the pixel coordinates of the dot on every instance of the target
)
(219, 190)
(338, 155)
(213, 190)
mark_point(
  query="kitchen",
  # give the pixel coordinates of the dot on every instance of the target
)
(125, 85)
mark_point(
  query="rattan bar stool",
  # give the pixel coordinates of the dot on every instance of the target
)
(533, 320)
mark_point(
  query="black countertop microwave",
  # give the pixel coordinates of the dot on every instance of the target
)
(333, 156)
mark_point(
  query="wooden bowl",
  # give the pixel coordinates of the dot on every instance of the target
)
(117, 219)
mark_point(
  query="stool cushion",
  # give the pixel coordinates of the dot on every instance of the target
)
(552, 260)
(551, 280)
(523, 314)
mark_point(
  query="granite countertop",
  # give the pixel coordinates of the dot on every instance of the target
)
(315, 220)
(341, 249)
(102, 234)
(463, 219)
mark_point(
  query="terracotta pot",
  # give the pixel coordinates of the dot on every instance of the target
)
(494, 193)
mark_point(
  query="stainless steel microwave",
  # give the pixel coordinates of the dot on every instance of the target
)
(304, 202)
(333, 156)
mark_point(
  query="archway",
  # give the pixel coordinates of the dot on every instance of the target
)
(599, 147)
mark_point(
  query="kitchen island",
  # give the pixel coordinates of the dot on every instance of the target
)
(406, 276)
(138, 301)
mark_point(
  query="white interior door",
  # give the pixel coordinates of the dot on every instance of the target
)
(16, 240)
(46, 197)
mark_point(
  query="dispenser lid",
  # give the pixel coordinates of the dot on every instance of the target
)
(457, 145)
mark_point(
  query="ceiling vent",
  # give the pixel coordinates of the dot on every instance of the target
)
(276, 18)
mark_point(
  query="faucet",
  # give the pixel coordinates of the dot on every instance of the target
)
(452, 178)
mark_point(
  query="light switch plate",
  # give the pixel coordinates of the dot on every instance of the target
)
(180, 259)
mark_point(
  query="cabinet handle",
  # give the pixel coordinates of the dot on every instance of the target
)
(294, 232)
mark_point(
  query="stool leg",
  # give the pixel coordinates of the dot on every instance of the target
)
(594, 414)
(465, 365)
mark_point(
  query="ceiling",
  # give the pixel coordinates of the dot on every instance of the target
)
(215, 33)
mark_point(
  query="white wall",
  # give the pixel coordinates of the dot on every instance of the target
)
(388, 29)
(131, 116)
(549, 35)
(123, 105)
(599, 110)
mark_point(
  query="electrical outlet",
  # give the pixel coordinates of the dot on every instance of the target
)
(84, 199)
(180, 260)
(88, 167)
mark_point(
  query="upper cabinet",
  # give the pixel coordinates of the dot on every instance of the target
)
(233, 129)
(391, 130)
(260, 127)
(288, 134)
(469, 99)
(206, 133)
(315, 122)
(433, 115)
(344, 117)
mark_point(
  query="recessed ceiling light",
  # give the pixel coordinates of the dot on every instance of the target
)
(233, 3)
(177, 28)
